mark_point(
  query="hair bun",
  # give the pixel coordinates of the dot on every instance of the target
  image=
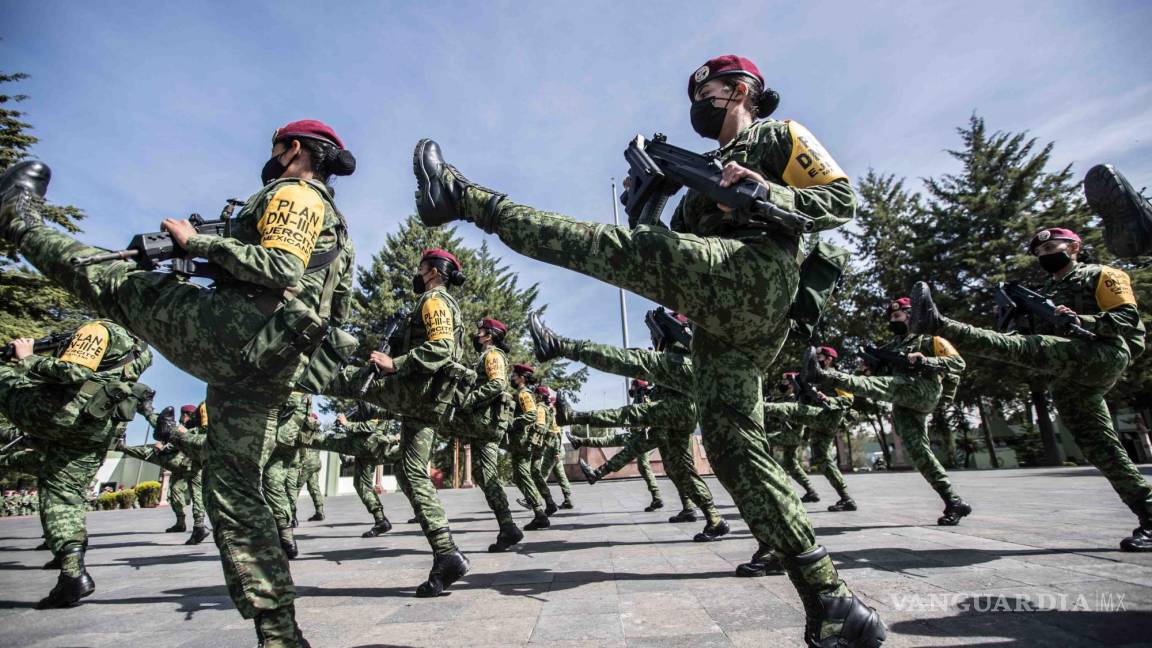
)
(768, 103)
(457, 278)
(344, 163)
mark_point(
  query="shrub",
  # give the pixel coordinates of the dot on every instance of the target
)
(107, 501)
(126, 498)
(148, 494)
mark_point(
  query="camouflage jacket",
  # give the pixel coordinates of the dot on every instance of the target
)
(1103, 298)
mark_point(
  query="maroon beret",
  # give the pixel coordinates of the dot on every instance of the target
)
(791, 374)
(188, 409)
(541, 390)
(309, 128)
(494, 324)
(441, 254)
(524, 369)
(683, 319)
(1051, 234)
(830, 352)
(722, 66)
(900, 303)
(636, 382)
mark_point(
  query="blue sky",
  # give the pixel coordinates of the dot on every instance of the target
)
(147, 110)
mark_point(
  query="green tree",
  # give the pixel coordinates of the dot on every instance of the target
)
(30, 305)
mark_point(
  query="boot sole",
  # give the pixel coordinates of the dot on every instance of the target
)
(1110, 197)
(424, 200)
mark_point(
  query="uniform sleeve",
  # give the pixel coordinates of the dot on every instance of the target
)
(1119, 316)
(541, 418)
(436, 351)
(814, 184)
(496, 381)
(141, 452)
(55, 370)
(942, 355)
(289, 227)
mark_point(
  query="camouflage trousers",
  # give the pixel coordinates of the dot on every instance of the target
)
(820, 424)
(913, 398)
(187, 487)
(738, 294)
(486, 474)
(540, 463)
(416, 442)
(63, 481)
(280, 474)
(309, 475)
(203, 332)
(1082, 372)
(367, 451)
(552, 465)
(791, 460)
(520, 453)
(634, 446)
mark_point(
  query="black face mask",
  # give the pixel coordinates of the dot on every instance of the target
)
(899, 328)
(477, 344)
(273, 169)
(707, 119)
(418, 285)
(1055, 262)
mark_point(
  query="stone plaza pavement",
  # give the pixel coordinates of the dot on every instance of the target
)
(1036, 565)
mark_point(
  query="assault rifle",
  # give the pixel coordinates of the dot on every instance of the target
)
(805, 392)
(153, 248)
(657, 170)
(1015, 303)
(47, 343)
(662, 325)
(882, 361)
(390, 328)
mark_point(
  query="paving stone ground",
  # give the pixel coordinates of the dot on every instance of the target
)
(1037, 564)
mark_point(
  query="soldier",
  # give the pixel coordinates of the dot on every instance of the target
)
(673, 415)
(72, 406)
(284, 276)
(554, 455)
(482, 421)
(542, 433)
(371, 441)
(913, 386)
(309, 462)
(519, 443)
(790, 441)
(1096, 333)
(733, 273)
(633, 448)
(421, 386)
(281, 470)
(184, 484)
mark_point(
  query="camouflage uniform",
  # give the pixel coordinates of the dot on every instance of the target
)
(282, 468)
(487, 399)
(72, 407)
(310, 476)
(212, 334)
(913, 395)
(636, 445)
(790, 442)
(420, 392)
(184, 483)
(1081, 371)
(370, 443)
(554, 459)
(822, 425)
(521, 435)
(542, 452)
(674, 412)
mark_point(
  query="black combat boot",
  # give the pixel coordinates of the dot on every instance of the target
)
(288, 544)
(835, 618)
(687, 515)
(810, 370)
(69, 589)
(810, 497)
(541, 521)
(446, 569)
(954, 509)
(179, 527)
(712, 532)
(1126, 214)
(924, 318)
(763, 563)
(415, 519)
(575, 442)
(564, 413)
(444, 195)
(380, 528)
(295, 522)
(845, 504)
(165, 425)
(656, 505)
(199, 534)
(509, 535)
(590, 473)
(316, 517)
(20, 185)
(278, 627)
(546, 343)
(550, 507)
(567, 504)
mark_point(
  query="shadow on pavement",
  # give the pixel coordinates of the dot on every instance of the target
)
(898, 559)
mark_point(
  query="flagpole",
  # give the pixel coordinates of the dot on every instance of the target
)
(623, 306)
